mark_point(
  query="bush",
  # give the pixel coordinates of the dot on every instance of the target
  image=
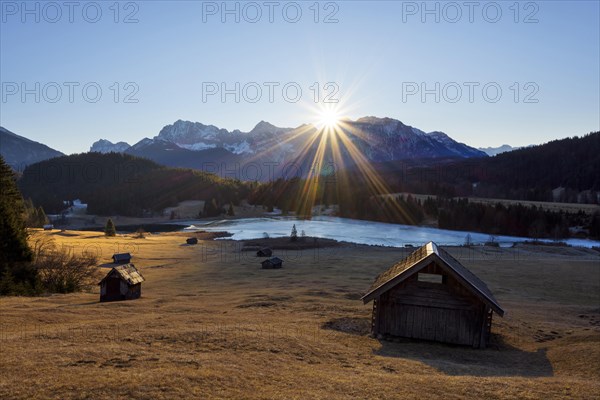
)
(140, 233)
(61, 270)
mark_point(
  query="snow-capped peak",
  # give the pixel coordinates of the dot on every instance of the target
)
(106, 146)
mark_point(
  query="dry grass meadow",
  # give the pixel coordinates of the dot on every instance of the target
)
(212, 324)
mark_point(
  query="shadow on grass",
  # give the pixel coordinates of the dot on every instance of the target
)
(87, 303)
(499, 359)
(65, 234)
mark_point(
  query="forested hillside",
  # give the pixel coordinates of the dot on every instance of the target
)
(121, 184)
(525, 174)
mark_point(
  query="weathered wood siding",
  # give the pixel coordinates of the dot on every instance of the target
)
(134, 292)
(445, 312)
(108, 290)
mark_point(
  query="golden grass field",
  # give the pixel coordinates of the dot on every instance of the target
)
(212, 324)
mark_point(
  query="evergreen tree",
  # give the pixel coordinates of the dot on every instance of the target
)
(15, 253)
(294, 235)
(109, 229)
(211, 208)
(30, 214)
(468, 240)
(42, 219)
(595, 226)
(230, 211)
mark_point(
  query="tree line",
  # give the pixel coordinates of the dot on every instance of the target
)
(530, 173)
(121, 184)
(34, 265)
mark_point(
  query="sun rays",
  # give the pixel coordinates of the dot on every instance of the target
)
(327, 156)
(330, 150)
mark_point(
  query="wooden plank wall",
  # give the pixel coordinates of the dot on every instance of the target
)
(445, 312)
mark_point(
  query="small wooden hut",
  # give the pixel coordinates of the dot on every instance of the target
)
(272, 263)
(192, 240)
(264, 252)
(121, 258)
(430, 295)
(121, 283)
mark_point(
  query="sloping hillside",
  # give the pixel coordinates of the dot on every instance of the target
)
(526, 174)
(121, 184)
(18, 152)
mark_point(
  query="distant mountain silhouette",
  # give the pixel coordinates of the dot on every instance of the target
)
(18, 152)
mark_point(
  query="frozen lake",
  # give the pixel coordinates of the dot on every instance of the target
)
(354, 231)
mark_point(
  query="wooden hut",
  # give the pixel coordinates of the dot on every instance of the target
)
(430, 295)
(264, 252)
(121, 283)
(192, 240)
(121, 258)
(272, 263)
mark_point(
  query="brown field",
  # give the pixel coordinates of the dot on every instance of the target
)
(212, 324)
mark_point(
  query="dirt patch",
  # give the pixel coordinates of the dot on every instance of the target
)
(319, 293)
(353, 326)
(258, 304)
(353, 296)
(284, 243)
(264, 301)
(201, 235)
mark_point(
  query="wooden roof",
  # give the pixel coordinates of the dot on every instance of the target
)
(127, 272)
(422, 257)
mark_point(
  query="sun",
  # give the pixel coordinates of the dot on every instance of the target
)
(328, 119)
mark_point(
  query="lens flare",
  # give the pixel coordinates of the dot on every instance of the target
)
(332, 144)
(328, 119)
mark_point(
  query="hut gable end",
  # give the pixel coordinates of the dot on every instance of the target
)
(431, 296)
(419, 259)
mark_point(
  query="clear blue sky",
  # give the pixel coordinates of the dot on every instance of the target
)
(373, 53)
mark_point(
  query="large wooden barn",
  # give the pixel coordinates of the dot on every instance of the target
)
(430, 295)
(121, 283)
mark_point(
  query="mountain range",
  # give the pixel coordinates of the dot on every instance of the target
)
(209, 148)
(492, 151)
(267, 151)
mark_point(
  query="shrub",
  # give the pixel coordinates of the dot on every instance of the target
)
(61, 270)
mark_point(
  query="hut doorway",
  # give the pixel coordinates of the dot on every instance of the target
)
(113, 288)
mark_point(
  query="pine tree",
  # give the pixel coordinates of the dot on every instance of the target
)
(14, 249)
(42, 219)
(109, 229)
(294, 235)
(468, 240)
(30, 214)
(211, 208)
(595, 226)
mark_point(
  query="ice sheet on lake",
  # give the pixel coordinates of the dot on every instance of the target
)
(355, 231)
